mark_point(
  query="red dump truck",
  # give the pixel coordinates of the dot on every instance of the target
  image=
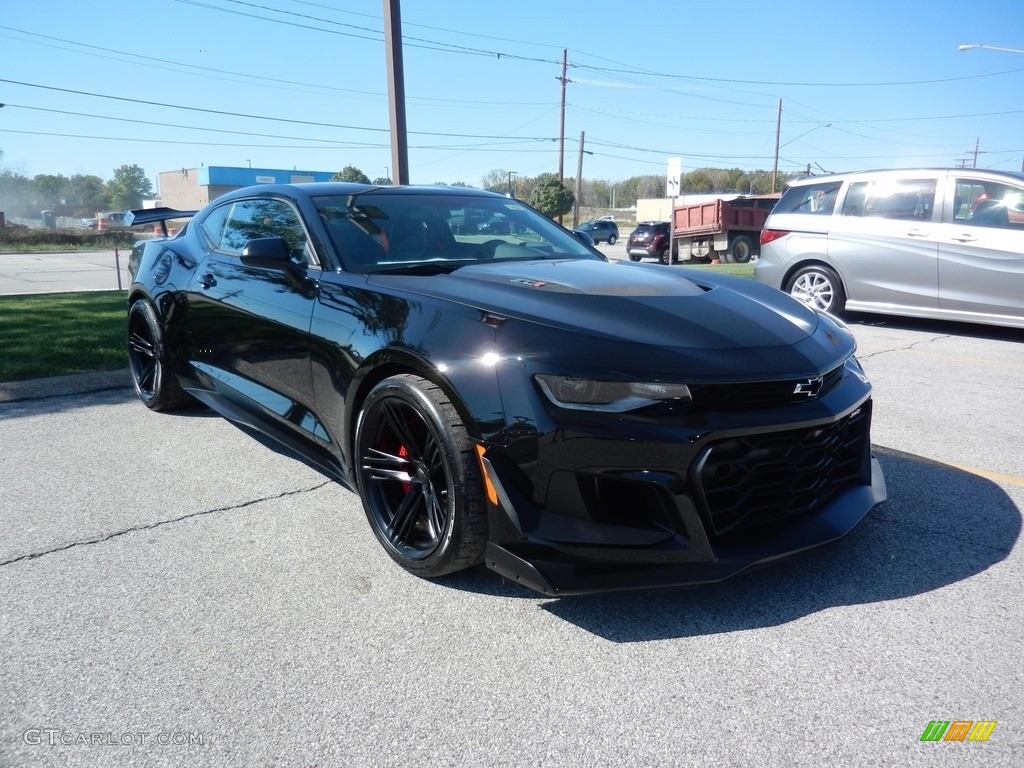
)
(728, 230)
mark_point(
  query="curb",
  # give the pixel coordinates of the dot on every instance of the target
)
(59, 386)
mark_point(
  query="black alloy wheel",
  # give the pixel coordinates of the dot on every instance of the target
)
(419, 478)
(155, 385)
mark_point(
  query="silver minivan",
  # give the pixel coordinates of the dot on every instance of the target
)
(939, 243)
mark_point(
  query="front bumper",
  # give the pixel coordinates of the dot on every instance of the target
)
(615, 516)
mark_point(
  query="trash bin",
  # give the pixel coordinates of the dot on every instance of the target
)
(49, 219)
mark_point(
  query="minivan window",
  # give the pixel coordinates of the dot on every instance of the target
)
(988, 204)
(891, 199)
(812, 198)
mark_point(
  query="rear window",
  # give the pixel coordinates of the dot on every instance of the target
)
(647, 229)
(810, 198)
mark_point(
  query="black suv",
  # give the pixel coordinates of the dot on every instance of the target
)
(601, 231)
(650, 238)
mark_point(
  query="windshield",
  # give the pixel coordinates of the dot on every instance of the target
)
(392, 232)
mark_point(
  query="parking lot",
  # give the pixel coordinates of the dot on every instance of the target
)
(176, 593)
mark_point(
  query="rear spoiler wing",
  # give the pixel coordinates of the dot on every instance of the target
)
(156, 216)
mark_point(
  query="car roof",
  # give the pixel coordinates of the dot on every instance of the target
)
(316, 189)
(907, 172)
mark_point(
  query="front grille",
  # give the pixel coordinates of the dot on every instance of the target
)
(752, 481)
(743, 396)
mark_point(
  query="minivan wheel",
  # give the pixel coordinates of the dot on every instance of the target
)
(819, 287)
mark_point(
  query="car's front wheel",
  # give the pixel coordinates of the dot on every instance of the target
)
(154, 383)
(819, 287)
(419, 478)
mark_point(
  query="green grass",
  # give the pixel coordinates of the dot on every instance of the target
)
(740, 270)
(51, 334)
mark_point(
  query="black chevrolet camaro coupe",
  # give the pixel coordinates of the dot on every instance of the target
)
(578, 425)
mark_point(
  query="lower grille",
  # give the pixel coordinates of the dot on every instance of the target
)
(747, 482)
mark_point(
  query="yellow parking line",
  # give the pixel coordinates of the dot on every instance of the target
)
(999, 477)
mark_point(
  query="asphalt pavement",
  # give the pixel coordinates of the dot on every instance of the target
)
(178, 593)
(25, 273)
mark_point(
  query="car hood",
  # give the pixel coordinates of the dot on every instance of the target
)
(643, 304)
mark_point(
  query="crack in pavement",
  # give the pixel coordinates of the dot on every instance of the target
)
(159, 523)
(904, 349)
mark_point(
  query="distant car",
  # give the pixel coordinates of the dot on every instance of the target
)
(87, 224)
(519, 401)
(498, 224)
(650, 238)
(607, 218)
(601, 231)
(940, 243)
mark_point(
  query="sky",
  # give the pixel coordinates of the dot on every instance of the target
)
(171, 84)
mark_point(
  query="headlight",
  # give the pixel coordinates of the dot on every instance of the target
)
(614, 396)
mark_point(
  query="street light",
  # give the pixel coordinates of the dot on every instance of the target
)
(969, 46)
(511, 189)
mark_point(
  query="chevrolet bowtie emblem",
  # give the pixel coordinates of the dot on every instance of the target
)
(809, 387)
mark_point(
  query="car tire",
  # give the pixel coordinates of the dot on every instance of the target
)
(819, 287)
(635, 257)
(612, 239)
(155, 383)
(741, 250)
(664, 258)
(419, 478)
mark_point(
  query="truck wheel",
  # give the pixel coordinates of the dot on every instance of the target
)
(742, 249)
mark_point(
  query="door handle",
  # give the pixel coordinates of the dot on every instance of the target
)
(207, 280)
(964, 238)
(916, 233)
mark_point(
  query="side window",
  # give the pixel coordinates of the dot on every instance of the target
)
(813, 198)
(988, 204)
(251, 219)
(912, 199)
(213, 225)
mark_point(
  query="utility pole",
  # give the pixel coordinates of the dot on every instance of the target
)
(977, 141)
(561, 121)
(778, 131)
(396, 90)
(579, 185)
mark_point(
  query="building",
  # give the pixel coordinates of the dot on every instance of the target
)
(192, 188)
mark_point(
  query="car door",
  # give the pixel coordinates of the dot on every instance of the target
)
(981, 248)
(884, 241)
(250, 323)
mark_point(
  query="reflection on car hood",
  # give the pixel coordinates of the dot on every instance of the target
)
(646, 304)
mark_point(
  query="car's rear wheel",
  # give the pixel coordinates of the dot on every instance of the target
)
(154, 383)
(419, 478)
(742, 249)
(612, 239)
(635, 257)
(819, 287)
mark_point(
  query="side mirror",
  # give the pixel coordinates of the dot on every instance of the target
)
(268, 252)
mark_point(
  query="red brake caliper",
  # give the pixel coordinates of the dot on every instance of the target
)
(403, 452)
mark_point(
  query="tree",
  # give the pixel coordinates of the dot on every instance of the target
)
(48, 190)
(550, 196)
(128, 187)
(382, 181)
(87, 194)
(351, 173)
